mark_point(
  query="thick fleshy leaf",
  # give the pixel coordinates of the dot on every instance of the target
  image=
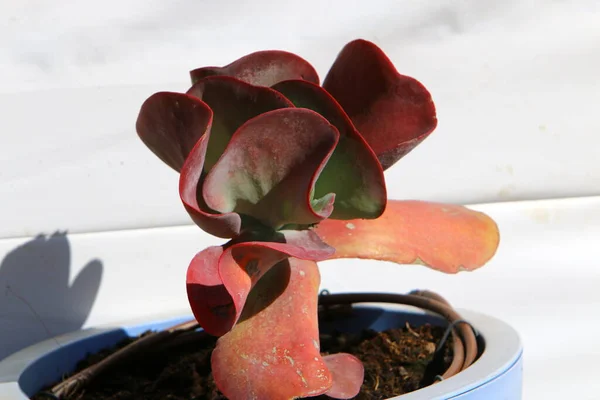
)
(170, 124)
(233, 102)
(393, 112)
(191, 178)
(445, 237)
(270, 167)
(219, 279)
(348, 375)
(274, 354)
(353, 172)
(263, 68)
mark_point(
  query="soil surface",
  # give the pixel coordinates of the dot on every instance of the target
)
(396, 361)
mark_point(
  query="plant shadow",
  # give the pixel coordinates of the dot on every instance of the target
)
(37, 301)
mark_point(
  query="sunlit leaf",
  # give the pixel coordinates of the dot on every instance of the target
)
(445, 237)
(393, 112)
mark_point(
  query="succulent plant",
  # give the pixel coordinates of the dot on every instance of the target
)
(292, 173)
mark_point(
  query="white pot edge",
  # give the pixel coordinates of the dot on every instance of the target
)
(503, 350)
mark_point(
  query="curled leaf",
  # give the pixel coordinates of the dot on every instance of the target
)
(219, 279)
(445, 237)
(353, 172)
(262, 68)
(393, 112)
(274, 353)
(171, 124)
(270, 167)
(191, 178)
(233, 103)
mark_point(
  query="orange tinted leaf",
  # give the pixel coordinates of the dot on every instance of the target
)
(348, 375)
(219, 279)
(445, 237)
(274, 354)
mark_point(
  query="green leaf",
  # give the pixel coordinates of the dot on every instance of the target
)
(270, 167)
(233, 102)
(353, 172)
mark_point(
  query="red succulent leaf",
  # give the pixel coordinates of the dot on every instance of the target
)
(348, 375)
(275, 353)
(233, 102)
(353, 172)
(219, 279)
(393, 112)
(445, 237)
(170, 124)
(270, 167)
(191, 178)
(263, 68)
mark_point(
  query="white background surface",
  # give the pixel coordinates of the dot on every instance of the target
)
(516, 87)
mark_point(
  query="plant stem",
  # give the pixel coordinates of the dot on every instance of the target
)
(464, 345)
(73, 384)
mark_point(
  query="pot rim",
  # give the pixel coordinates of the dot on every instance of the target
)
(503, 350)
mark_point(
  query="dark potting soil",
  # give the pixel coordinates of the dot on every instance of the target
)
(396, 361)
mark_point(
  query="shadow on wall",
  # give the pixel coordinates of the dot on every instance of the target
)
(36, 300)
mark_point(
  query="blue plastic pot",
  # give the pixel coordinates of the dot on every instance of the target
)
(496, 375)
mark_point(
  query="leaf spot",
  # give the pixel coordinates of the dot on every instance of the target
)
(287, 357)
(302, 377)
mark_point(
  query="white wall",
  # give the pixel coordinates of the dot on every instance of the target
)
(516, 87)
(515, 83)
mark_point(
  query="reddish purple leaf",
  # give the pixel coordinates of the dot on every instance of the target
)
(348, 375)
(353, 172)
(170, 124)
(263, 68)
(219, 279)
(233, 102)
(270, 167)
(275, 353)
(393, 112)
(190, 184)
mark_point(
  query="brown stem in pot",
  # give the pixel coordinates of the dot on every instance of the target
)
(464, 344)
(72, 385)
(464, 329)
